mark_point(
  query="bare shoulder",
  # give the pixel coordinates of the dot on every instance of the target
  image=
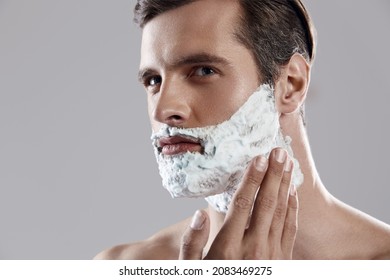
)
(380, 234)
(163, 245)
(371, 236)
(143, 250)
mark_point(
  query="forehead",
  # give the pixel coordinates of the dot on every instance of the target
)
(201, 26)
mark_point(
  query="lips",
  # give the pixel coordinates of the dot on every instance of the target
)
(175, 145)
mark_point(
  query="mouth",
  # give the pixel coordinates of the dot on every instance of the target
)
(175, 145)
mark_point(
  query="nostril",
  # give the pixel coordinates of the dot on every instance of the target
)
(175, 120)
(175, 117)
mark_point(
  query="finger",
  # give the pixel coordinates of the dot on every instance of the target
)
(279, 217)
(195, 237)
(267, 197)
(291, 223)
(241, 206)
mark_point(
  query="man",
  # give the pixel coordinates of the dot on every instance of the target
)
(202, 63)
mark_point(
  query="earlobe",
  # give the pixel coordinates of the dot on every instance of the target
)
(291, 87)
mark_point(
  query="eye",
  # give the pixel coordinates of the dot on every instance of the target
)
(152, 81)
(204, 71)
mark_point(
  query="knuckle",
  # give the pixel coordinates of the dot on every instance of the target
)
(293, 206)
(187, 247)
(290, 228)
(243, 202)
(254, 254)
(276, 254)
(286, 180)
(188, 243)
(222, 253)
(277, 224)
(280, 213)
(252, 180)
(276, 170)
(228, 255)
(267, 203)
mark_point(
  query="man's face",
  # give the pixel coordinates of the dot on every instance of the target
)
(209, 115)
(195, 71)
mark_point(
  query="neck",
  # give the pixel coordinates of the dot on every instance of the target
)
(313, 197)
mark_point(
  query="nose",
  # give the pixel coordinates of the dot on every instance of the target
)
(172, 105)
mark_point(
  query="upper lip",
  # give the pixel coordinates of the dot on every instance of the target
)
(172, 140)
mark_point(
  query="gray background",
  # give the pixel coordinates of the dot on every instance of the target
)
(77, 172)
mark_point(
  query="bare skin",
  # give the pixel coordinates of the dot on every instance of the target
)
(191, 63)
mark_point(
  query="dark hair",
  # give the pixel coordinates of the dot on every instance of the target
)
(272, 29)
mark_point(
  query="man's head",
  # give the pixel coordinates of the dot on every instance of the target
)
(200, 64)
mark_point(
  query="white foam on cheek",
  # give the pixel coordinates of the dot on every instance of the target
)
(228, 147)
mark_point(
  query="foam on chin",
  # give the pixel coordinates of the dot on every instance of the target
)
(228, 148)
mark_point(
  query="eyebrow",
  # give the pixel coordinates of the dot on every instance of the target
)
(198, 58)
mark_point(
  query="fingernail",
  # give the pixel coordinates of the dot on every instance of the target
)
(197, 220)
(288, 165)
(281, 155)
(261, 163)
(293, 190)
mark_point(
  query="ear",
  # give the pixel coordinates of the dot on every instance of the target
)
(291, 87)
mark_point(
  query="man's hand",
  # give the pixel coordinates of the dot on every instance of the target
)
(267, 231)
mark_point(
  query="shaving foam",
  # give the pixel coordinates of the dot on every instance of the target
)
(228, 148)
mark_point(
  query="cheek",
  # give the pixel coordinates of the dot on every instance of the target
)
(231, 96)
(216, 103)
(155, 125)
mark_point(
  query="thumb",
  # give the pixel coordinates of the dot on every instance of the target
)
(195, 237)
